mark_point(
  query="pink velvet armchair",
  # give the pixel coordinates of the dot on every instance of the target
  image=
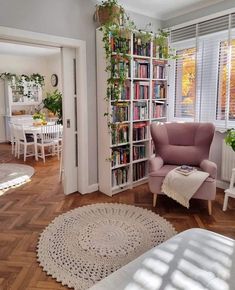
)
(183, 143)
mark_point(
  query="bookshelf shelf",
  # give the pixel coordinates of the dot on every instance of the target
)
(119, 145)
(139, 141)
(141, 56)
(144, 120)
(141, 79)
(145, 96)
(120, 166)
(139, 160)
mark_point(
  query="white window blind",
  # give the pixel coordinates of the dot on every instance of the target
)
(202, 78)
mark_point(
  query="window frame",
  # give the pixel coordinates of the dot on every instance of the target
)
(199, 44)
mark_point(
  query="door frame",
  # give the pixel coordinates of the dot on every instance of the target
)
(29, 37)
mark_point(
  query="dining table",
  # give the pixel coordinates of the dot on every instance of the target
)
(35, 131)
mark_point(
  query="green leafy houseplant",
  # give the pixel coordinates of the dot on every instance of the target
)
(160, 43)
(53, 102)
(230, 138)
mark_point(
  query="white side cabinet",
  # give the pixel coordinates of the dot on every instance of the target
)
(20, 99)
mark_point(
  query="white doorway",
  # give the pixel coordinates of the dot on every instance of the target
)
(74, 89)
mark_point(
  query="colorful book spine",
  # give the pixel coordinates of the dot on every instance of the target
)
(140, 111)
(141, 90)
(120, 155)
(158, 110)
(158, 91)
(119, 68)
(120, 112)
(139, 170)
(159, 70)
(120, 134)
(139, 151)
(139, 131)
(120, 44)
(139, 47)
(141, 69)
(119, 176)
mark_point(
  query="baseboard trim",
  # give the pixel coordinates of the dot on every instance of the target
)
(222, 184)
(91, 188)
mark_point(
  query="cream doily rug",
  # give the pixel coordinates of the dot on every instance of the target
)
(13, 174)
(83, 246)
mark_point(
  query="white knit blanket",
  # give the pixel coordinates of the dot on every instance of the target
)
(180, 187)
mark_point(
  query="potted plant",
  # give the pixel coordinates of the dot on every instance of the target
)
(109, 12)
(53, 103)
(39, 118)
(230, 138)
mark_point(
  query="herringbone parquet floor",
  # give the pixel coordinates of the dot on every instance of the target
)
(27, 210)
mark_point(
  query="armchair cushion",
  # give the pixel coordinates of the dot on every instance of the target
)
(209, 167)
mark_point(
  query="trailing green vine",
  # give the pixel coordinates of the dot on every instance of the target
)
(116, 39)
(18, 80)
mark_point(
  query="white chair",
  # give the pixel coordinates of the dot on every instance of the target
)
(23, 140)
(230, 192)
(49, 137)
(13, 138)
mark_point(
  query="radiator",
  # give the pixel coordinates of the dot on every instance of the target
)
(228, 162)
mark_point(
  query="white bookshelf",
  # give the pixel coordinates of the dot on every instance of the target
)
(105, 146)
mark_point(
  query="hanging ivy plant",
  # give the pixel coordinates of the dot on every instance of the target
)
(16, 80)
(161, 46)
(117, 28)
(38, 79)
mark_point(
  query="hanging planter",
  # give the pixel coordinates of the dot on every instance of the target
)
(109, 12)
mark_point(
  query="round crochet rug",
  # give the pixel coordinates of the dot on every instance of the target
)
(83, 246)
(13, 174)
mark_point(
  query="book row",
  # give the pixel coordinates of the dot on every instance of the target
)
(158, 110)
(139, 170)
(140, 111)
(139, 131)
(140, 47)
(141, 69)
(120, 44)
(119, 176)
(139, 151)
(120, 112)
(120, 156)
(120, 68)
(141, 90)
(159, 71)
(158, 91)
(120, 134)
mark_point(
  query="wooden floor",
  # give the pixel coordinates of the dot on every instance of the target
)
(27, 210)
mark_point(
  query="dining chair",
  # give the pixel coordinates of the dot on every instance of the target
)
(48, 138)
(24, 140)
(12, 138)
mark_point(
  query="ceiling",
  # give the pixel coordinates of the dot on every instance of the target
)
(165, 9)
(26, 50)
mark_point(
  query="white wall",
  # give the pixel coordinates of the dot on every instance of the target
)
(45, 66)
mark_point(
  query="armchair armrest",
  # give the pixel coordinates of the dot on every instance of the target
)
(155, 164)
(209, 167)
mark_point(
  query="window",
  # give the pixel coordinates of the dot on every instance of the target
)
(224, 75)
(185, 81)
(202, 78)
